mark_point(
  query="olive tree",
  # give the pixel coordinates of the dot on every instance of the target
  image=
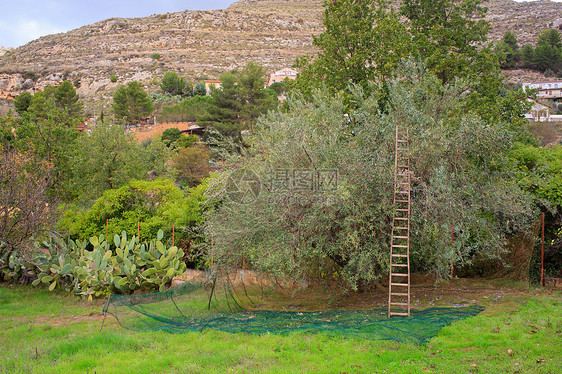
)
(313, 197)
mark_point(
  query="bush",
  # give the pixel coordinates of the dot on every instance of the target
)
(155, 205)
(26, 207)
(186, 141)
(174, 139)
(200, 89)
(278, 87)
(192, 164)
(170, 135)
(191, 109)
(172, 83)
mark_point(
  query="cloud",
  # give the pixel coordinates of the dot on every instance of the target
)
(26, 30)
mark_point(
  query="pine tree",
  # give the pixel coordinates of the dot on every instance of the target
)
(131, 103)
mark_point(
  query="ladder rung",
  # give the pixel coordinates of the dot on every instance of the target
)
(402, 194)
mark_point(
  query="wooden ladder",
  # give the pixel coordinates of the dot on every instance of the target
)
(399, 274)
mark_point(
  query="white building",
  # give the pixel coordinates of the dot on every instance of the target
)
(546, 89)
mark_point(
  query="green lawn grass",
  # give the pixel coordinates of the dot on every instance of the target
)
(42, 332)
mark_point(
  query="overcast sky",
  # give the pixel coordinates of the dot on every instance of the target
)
(22, 21)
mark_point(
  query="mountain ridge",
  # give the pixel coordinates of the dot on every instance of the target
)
(198, 44)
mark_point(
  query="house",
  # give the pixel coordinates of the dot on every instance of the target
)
(211, 83)
(538, 112)
(194, 130)
(281, 75)
(546, 89)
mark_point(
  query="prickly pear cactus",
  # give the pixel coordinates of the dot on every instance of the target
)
(122, 266)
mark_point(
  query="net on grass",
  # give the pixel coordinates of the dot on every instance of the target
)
(205, 303)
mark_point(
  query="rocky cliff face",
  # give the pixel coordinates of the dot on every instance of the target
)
(204, 43)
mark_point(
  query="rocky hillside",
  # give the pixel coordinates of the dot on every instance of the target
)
(204, 43)
(3, 50)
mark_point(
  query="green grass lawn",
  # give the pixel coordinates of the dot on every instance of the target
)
(43, 332)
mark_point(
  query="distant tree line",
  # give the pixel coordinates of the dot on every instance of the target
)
(545, 57)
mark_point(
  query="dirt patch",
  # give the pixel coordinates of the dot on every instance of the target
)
(144, 133)
(426, 292)
(71, 319)
(548, 133)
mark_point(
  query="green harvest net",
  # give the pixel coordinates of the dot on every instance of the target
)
(213, 304)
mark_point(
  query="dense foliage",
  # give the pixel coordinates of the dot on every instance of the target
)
(110, 158)
(189, 110)
(241, 98)
(462, 183)
(364, 42)
(545, 56)
(26, 208)
(173, 84)
(191, 164)
(138, 206)
(131, 103)
(307, 190)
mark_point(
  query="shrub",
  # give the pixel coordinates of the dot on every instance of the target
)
(186, 141)
(154, 205)
(26, 209)
(190, 109)
(170, 135)
(192, 164)
(172, 83)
